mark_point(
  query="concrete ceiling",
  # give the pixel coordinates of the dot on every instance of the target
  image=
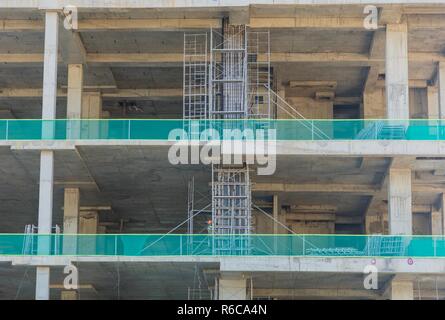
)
(139, 184)
(173, 281)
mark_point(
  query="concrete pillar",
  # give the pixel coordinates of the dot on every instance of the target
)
(374, 103)
(232, 289)
(92, 105)
(68, 295)
(396, 78)
(74, 94)
(71, 211)
(88, 224)
(433, 102)
(438, 218)
(46, 191)
(399, 201)
(436, 223)
(47, 157)
(50, 65)
(70, 226)
(92, 109)
(70, 219)
(402, 290)
(441, 77)
(45, 220)
(276, 211)
(42, 283)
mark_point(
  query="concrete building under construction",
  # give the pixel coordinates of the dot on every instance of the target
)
(348, 98)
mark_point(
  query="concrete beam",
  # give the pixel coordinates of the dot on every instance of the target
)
(322, 264)
(416, 20)
(176, 59)
(11, 25)
(148, 24)
(158, 4)
(317, 293)
(321, 187)
(117, 93)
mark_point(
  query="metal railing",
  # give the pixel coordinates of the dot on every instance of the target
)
(295, 129)
(261, 245)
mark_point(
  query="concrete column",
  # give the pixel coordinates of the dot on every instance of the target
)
(47, 157)
(88, 224)
(436, 223)
(396, 79)
(42, 283)
(374, 103)
(74, 94)
(92, 105)
(399, 201)
(433, 102)
(70, 226)
(50, 65)
(46, 191)
(232, 289)
(71, 210)
(92, 109)
(438, 218)
(68, 295)
(441, 77)
(70, 219)
(276, 210)
(402, 290)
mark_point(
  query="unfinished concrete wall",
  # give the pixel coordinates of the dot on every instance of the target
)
(310, 108)
(374, 104)
(418, 103)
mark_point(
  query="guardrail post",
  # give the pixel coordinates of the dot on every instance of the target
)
(115, 245)
(312, 129)
(304, 245)
(129, 129)
(7, 130)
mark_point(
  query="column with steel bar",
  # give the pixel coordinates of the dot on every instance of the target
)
(47, 156)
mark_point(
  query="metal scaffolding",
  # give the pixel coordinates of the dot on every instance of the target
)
(231, 210)
(195, 103)
(258, 74)
(237, 80)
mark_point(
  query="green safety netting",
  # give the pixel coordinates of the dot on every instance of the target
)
(210, 245)
(132, 129)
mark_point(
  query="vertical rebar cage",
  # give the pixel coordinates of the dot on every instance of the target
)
(228, 81)
(231, 210)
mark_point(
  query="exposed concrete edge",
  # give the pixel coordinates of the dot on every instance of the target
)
(42, 145)
(258, 264)
(338, 265)
(303, 147)
(65, 260)
(59, 4)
